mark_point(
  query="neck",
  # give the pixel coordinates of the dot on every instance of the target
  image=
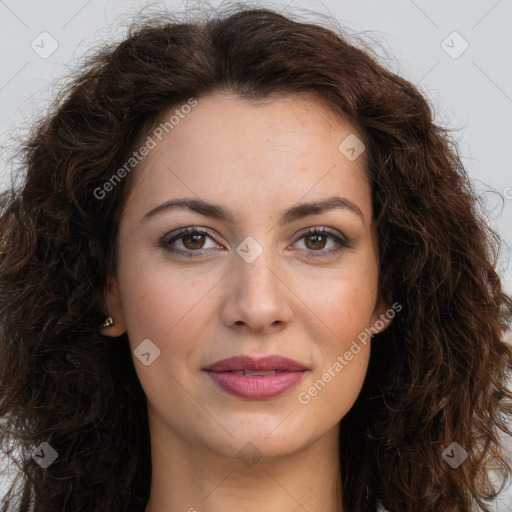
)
(189, 476)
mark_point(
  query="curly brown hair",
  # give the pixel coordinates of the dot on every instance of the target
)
(437, 374)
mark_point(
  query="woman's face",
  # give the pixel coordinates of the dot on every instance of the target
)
(264, 270)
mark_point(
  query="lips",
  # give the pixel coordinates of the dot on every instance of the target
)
(252, 378)
(252, 373)
(264, 364)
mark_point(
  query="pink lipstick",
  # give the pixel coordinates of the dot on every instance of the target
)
(247, 377)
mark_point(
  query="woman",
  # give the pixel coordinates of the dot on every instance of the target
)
(246, 271)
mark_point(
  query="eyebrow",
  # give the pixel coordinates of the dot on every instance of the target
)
(224, 214)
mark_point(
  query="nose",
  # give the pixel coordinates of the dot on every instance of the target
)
(256, 297)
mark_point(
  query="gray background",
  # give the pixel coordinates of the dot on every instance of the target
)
(466, 75)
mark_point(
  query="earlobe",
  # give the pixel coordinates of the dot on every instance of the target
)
(114, 321)
(382, 317)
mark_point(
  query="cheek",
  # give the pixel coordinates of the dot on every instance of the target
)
(346, 305)
(347, 315)
(159, 303)
(167, 309)
(335, 386)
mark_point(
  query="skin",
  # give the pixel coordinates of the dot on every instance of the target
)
(257, 159)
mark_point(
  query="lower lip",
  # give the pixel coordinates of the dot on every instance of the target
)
(258, 386)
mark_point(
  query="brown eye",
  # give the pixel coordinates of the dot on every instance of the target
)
(316, 242)
(195, 241)
(321, 242)
(189, 242)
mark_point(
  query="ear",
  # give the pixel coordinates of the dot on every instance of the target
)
(383, 315)
(114, 308)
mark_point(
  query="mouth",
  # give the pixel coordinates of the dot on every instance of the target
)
(272, 363)
(252, 373)
(251, 378)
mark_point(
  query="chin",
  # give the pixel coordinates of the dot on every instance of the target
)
(264, 436)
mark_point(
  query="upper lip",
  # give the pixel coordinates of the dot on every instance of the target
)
(267, 363)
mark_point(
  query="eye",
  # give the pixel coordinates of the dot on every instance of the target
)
(188, 241)
(195, 241)
(323, 241)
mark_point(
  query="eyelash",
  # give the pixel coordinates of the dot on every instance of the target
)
(342, 243)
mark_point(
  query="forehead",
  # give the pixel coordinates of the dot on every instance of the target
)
(278, 149)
